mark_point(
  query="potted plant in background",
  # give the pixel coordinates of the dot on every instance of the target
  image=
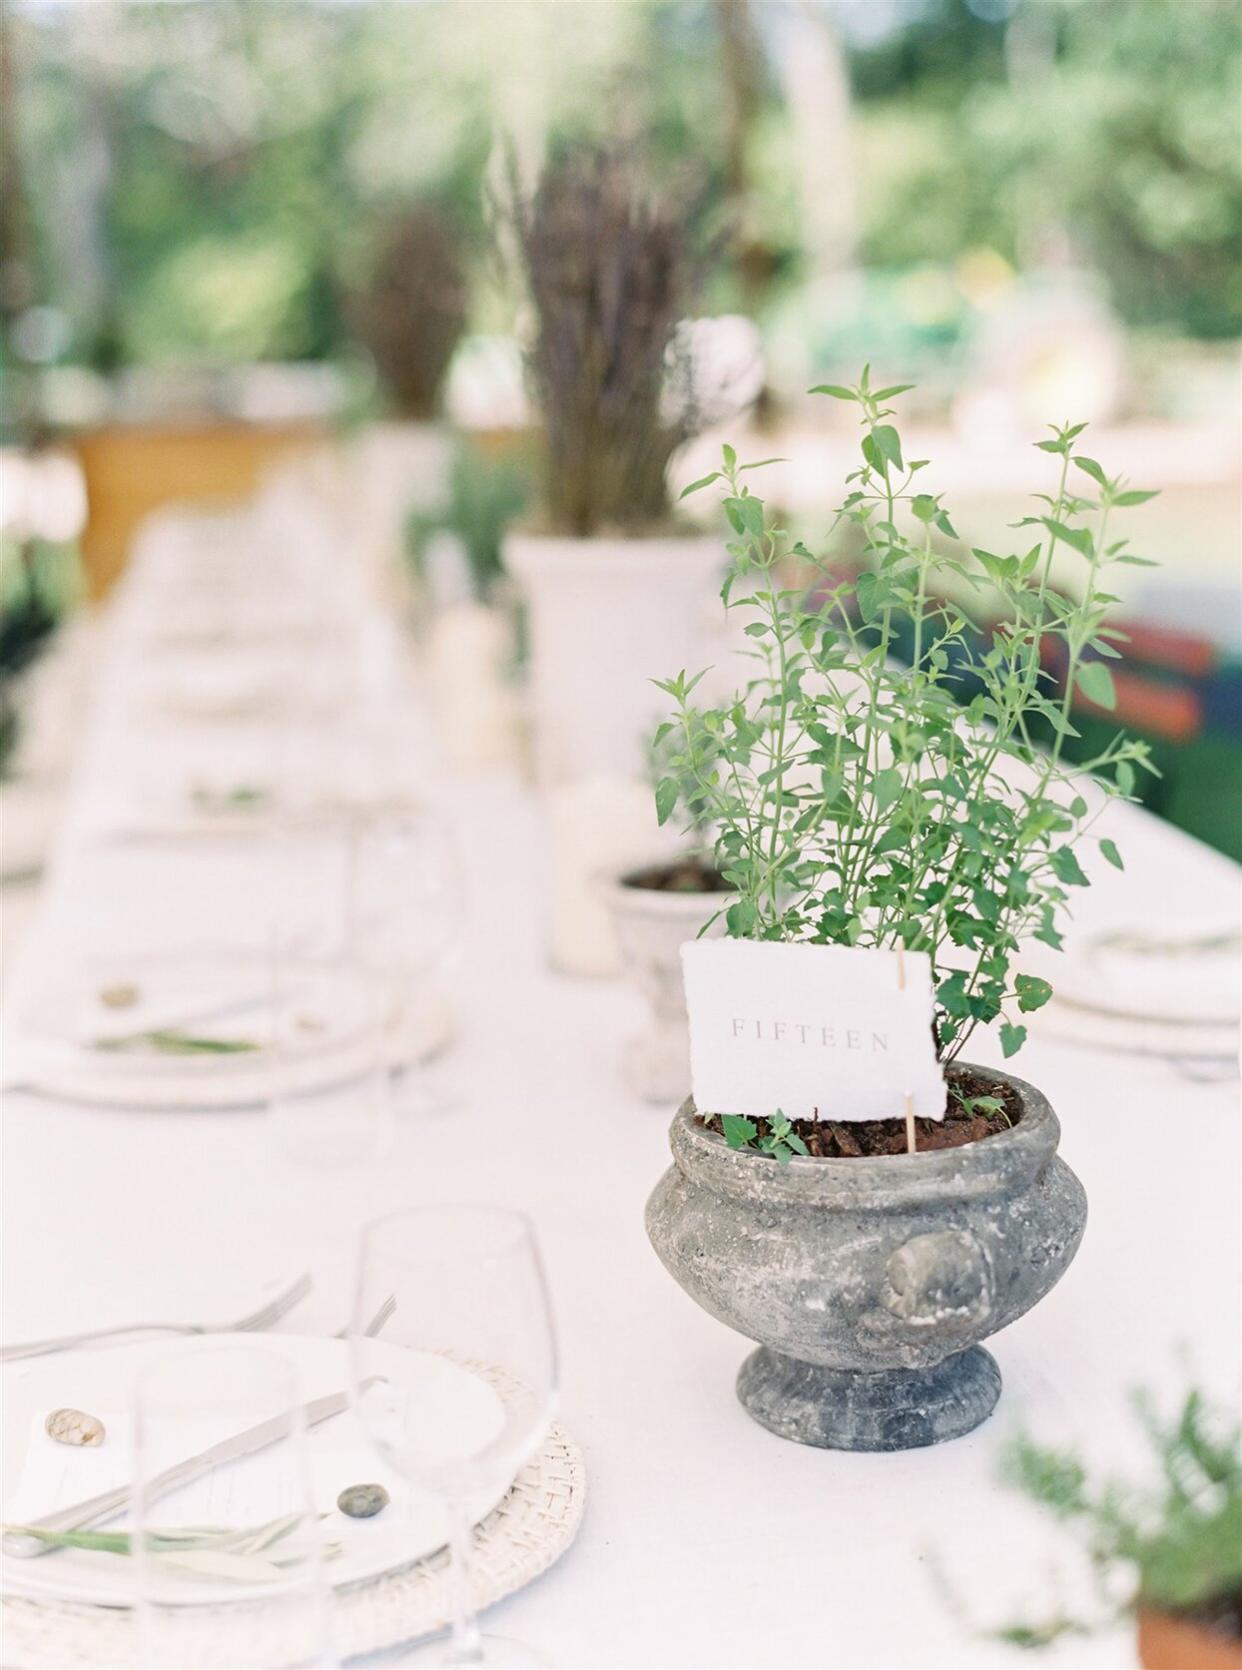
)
(1173, 1547)
(658, 905)
(409, 315)
(616, 588)
(471, 620)
(40, 581)
(856, 802)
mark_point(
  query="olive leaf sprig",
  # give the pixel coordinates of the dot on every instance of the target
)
(894, 774)
(172, 1041)
(254, 1554)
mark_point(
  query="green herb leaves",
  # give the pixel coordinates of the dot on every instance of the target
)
(1096, 683)
(779, 1139)
(738, 1131)
(893, 774)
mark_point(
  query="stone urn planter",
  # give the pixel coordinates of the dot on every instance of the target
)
(652, 924)
(868, 1283)
(605, 617)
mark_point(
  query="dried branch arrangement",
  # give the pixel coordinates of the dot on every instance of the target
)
(611, 275)
(411, 314)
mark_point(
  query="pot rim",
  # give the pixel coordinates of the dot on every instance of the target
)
(1153, 1620)
(654, 901)
(998, 1163)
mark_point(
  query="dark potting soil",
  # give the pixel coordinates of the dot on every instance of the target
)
(832, 1139)
(680, 875)
(1223, 1615)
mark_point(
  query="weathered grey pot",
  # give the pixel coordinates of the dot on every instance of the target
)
(868, 1283)
(652, 926)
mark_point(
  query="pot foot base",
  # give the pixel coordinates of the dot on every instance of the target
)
(896, 1409)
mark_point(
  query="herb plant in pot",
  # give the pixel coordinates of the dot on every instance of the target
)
(468, 618)
(616, 589)
(857, 803)
(1168, 1552)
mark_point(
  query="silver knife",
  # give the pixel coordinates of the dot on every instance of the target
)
(111, 1502)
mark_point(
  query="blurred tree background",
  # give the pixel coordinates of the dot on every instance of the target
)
(207, 180)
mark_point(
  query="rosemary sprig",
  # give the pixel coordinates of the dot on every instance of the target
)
(170, 1041)
(248, 1555)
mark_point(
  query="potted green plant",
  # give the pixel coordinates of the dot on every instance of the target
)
(1168, 1553)
(472, 624)
(616, 588)
(409, 314)
(856, 801)
(464, 535)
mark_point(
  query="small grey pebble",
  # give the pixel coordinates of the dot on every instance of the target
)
(72, 1426)
(362, 1501)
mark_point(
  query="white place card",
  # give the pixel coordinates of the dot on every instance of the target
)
(826, 1031)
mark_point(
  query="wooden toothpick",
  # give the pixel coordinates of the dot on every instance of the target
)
(901, 986)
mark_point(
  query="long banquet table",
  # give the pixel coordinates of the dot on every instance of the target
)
(707, 1541)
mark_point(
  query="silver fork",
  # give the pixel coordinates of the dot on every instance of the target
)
(378, 1321)
(256, 1322)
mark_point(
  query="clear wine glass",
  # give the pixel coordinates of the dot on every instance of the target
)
(407, 910)
(206, 1597)
(471, 1393)
(329, 1094)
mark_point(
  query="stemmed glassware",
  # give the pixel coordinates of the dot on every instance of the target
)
(328, 1038)
(227, 1567)
(471, 1394)
(407, 910)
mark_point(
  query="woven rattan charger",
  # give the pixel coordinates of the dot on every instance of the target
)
(530, 1529)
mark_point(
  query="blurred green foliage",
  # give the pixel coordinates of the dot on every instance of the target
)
(39, 582)
(209, 179)
(486, 492)
(1115, 124)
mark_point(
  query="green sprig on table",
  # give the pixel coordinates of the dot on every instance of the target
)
(250, 1555)
(170, 1041)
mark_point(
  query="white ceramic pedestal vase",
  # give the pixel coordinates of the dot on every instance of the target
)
(606, 616)
(652, 926)
(395, 468)
(592, 828)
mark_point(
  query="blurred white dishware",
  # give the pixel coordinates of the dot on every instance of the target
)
(189, 1030)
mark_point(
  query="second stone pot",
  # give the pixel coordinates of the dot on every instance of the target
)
(652, 926)
(868, 1283)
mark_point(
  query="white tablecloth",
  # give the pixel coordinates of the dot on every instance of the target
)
(707, 1541)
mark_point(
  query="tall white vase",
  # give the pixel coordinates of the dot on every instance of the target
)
(606, 616)
(395, 468)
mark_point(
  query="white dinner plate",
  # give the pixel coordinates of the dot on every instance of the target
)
(1096, 1029)
(101, 1381)
(1186, 979)
(216, 995)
